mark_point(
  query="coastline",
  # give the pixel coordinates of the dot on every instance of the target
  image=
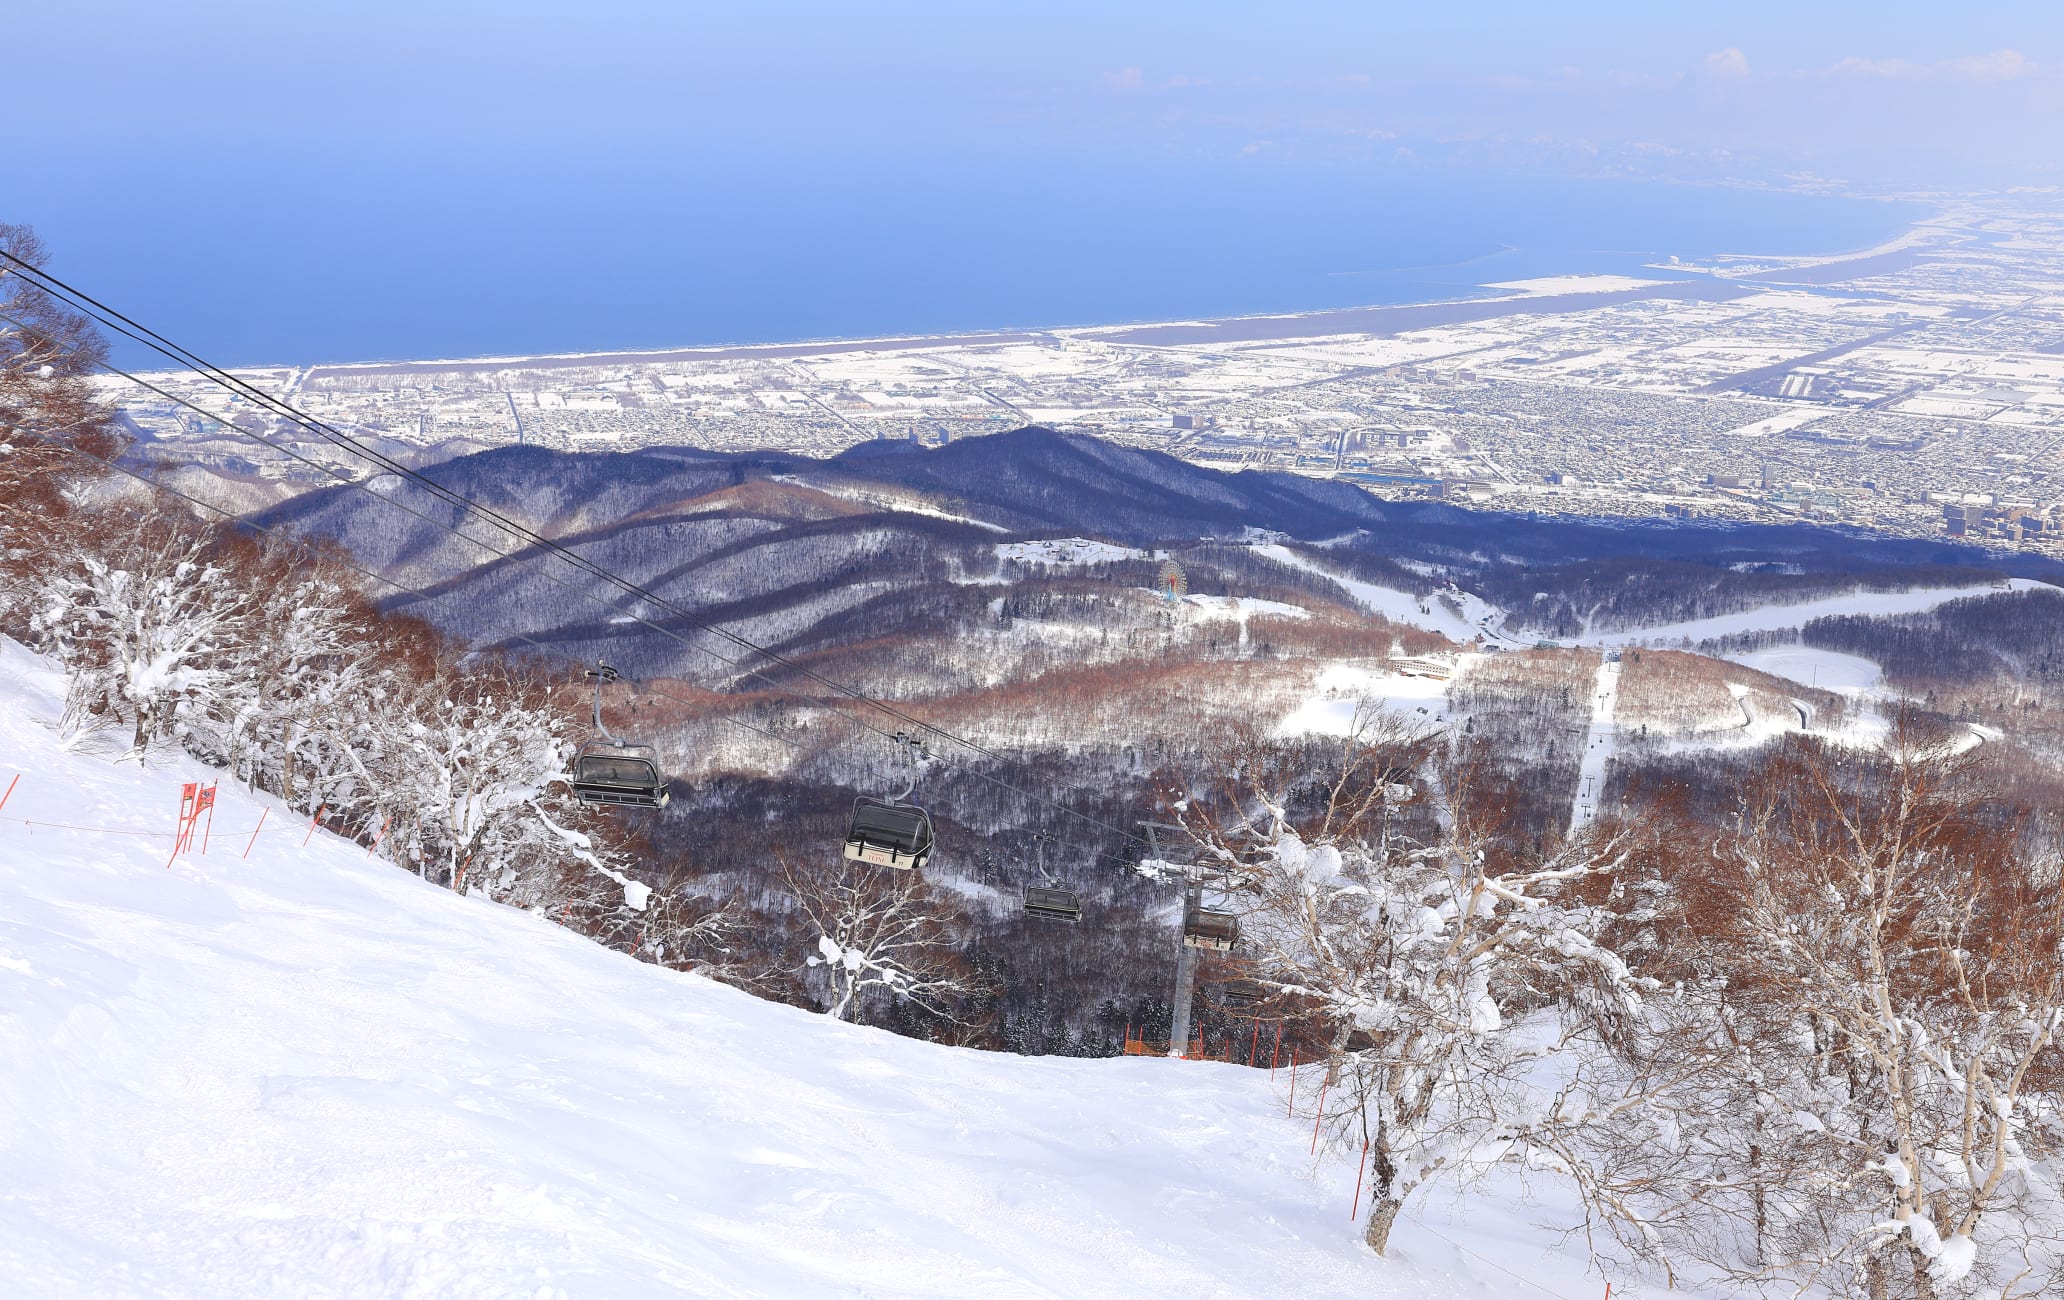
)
(1705, 280)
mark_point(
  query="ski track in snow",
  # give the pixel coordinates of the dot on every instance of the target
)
(1402, 606)
(1776, 618)
(308, 1073)
(1600, 740)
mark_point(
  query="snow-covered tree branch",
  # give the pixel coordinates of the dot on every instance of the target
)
(877, 931)
(1444, 968)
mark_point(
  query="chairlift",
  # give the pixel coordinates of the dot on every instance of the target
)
(1204, 928)
(1052, 904)
(614, 772)
(1049, 900)
(891, 832)
(1243, 993)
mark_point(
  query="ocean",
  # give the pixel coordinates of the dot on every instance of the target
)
(304, 259)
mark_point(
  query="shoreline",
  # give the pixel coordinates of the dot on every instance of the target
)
(1706, 279)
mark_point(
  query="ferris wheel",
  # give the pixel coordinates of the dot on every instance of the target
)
(1173, 583)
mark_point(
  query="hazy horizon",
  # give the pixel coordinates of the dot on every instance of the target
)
(380, 181)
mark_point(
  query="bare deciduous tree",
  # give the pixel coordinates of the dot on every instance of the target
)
(152, 623)
(1448, 973)
(1863, 1089)
(47, 407)
(1909, 977)
(877, 931)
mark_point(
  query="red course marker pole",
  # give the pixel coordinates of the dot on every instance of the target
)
(1291, 1109)
(312, 822)
(1356, 1212)
(263, 813)
(1254, 1042)
(10, 790)
(1275, 1052)
(182, 829)
(209, 829)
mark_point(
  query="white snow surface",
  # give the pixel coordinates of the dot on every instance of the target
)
(889, 501)
(1830, 670)
(307, 1073)
(1456, 615)
(1771, 618)
(1242, 607)
(1065, 550)
(1343, 692)
(1601, 741)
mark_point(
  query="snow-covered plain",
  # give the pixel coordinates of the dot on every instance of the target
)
(304, 1072)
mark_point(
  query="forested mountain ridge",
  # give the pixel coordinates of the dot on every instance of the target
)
(784, 545)
(1034, 480)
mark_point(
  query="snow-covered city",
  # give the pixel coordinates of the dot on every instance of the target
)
(1915, 388)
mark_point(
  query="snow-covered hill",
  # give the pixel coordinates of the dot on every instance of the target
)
(297, 1071)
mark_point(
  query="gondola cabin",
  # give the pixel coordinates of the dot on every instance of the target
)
(1052, 904)
(624, 776)
(895, 835)
(1217, 931)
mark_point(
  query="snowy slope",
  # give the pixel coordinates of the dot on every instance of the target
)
(1344, 694)
(1601, 741)
(1852, 675)
(306, 1073)
(1772, 618)
(1460, 617)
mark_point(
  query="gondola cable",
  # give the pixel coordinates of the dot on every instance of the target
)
(551, 549)
(149, 338)
(142, 334)
(240, 522)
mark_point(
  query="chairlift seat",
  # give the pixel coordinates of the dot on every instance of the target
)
(1244, 993)
(1202, 928)
(895, 835)
(1052, 904)
(625, 776)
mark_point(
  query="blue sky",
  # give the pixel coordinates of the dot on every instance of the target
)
(1877, 95)
(390, 178)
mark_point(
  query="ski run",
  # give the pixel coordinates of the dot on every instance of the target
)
(281, 1067)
